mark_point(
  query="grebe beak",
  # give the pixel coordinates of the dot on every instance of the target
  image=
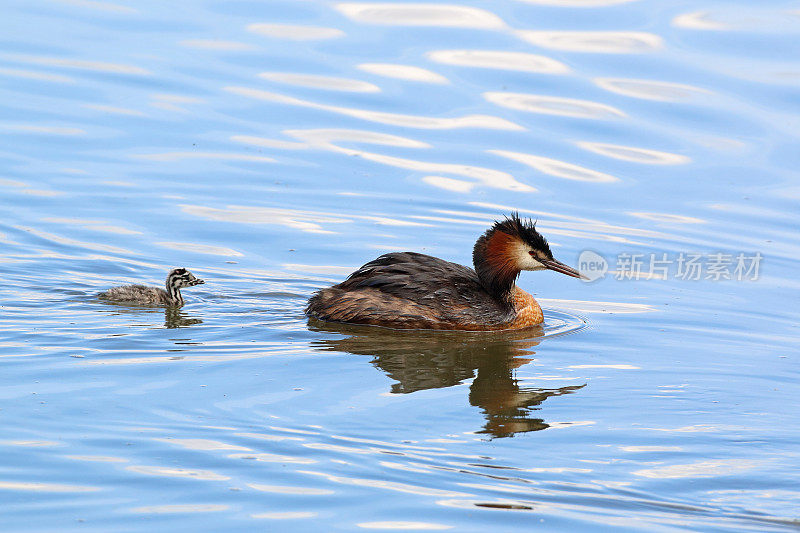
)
(198, 282)
(558, 266)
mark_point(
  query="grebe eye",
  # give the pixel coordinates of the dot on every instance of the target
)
(532, 253)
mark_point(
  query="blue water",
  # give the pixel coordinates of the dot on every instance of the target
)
(272, 148)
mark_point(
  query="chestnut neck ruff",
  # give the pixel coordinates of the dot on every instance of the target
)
(496, 254)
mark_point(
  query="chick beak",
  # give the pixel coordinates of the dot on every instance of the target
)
(558, 266)
(198, 282)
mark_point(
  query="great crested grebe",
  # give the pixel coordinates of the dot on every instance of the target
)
(141, 294)
(408, 290)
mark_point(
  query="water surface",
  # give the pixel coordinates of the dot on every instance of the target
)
(271, 148)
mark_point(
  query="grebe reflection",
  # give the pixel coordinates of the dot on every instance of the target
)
(422, 360)
(174, 317)
(177, 318)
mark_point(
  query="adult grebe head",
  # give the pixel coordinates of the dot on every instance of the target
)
(510, 246)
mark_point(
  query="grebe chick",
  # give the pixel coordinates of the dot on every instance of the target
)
(142, 294)
(408, 290)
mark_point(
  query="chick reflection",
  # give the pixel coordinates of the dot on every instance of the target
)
(175, 318)
(420, 360)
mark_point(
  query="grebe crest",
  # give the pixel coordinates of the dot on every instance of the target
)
(177, 279)
(507, 248)
(408, 290)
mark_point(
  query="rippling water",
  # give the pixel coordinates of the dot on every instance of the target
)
(273, 147)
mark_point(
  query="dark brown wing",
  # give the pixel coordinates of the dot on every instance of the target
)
(411, 290)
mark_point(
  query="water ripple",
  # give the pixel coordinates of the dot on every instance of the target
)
(554, 105)
(578, 3)
(497, 59)
(293, 32)
(758, 19)
(449, 184)
(651, 89)
(321, 82)
(404, 525)
(671, 218)
(382, 117)
(559, 169)
(403, 72)
(79, 64)
(698, 20)
(181, 508)
(30, 486)
(101, 6)
(165, 471)
(636, 155)
(218, 45)
(488, 177)
(600, 42)
(387, 485)
(125, 155)
(37, 128)
(283, 489)
(179, 156)
(442, 15)
(697, 470)
(35, 75)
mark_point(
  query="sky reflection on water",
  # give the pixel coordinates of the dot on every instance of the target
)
(273, 148)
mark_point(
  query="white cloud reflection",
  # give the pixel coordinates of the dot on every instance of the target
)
(308, 221)
(213, 44)
(284, 515)
(403, 72)
(590, 307)
(181, 508)
(321, 82)
(201, 248)
(47, 130)
(80, 64)
(268, 143)
(489, 177)
(600, 42)
(559, 169)
(722, 467)
(43, 487)
(633, 154)
(293, 32)
(114, 110)
(395, 119)
(449, 184)
(667, 217)
(443, 15)
(498, 59)
(100, 6)
(553, 105)
(179, 156)
(578, 3)
(699, 20)
(404, 525)
(651, 89)
(34, 75)
(165, 471)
